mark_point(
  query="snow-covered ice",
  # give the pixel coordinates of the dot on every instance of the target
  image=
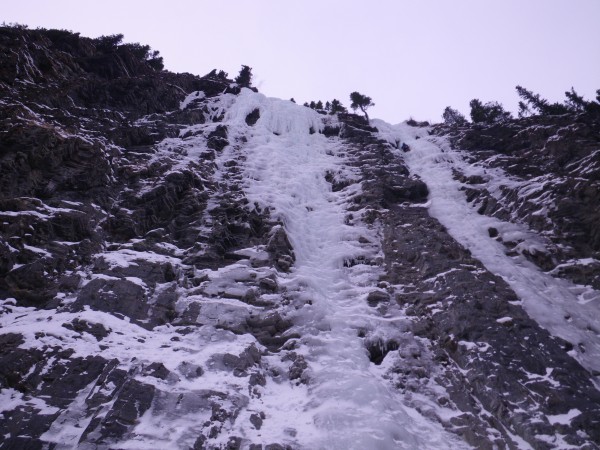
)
(347, 404)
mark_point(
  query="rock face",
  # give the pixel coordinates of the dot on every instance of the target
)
(554, 165)
(474, 329)
(169, 280)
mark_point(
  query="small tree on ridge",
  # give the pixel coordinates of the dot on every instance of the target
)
(244, 78)
(361, 102)
(336, 107)
(490, 112)
(453, 118)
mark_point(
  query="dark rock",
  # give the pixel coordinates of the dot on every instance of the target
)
(269, 329)
(257, 379)
(274, 447)
(514, 346)
(268, 284)
(239, 364)
(156, 370)
(379, 349)
(280, 249)
(82, 326)
(169, 273)
(199, 444)
(133, 400)
(234, 443)
(406, 190)
(330, 131)
(297, 368)
(29, 284)
(376, 297)
(190, 371)
(256, 420)
(217, 139)
(118, 296)
(337, 184)
(253, 117)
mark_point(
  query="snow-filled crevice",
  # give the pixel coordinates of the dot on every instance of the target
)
(345, 404)
(566, 310)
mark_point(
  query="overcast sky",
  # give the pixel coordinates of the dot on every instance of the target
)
(412, 57)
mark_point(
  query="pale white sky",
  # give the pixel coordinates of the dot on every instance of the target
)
(412, 57)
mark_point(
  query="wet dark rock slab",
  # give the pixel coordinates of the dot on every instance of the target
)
(506, 361)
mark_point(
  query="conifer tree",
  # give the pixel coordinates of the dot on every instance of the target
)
(524, 110)
(453, 118)
(337, 107)
(477, 111)
(319, 105)
(575, 102)
(541, 105)
(491, 112)
(106, 44)
(244, 78)
(532, 100)
(362, 102)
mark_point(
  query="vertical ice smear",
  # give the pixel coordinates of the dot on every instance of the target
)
(347, 404)
(67, 429)
(552, 302)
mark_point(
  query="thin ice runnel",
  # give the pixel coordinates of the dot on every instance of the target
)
(348, 406)
(552, 302)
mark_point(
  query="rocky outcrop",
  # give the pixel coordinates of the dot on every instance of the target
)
(499, 369)
(97, 219)
(553, 163)
(78, 123)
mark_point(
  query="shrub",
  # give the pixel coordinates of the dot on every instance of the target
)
(337, 107)
(144, 53)
(244, 78)
(491, 112)
(453, 118)
(107, 44)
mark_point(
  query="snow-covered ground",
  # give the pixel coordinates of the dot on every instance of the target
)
(564, 309)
